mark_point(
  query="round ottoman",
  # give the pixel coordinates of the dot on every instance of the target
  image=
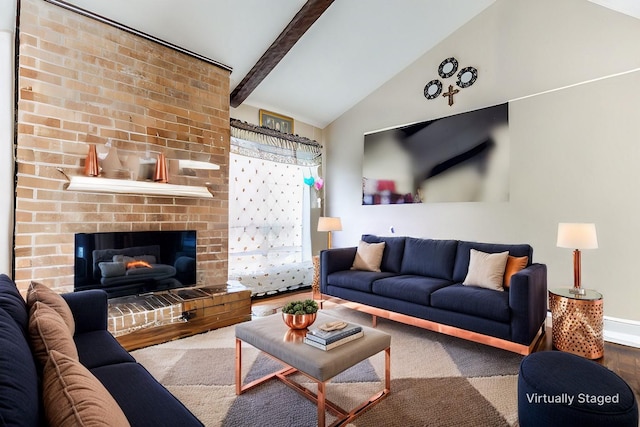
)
(562, 389)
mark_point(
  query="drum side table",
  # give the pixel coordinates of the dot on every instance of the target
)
(577, 322)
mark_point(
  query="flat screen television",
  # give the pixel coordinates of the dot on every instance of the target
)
(459, 158)
(135, 262)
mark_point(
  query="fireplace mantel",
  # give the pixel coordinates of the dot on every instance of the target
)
(123, 186)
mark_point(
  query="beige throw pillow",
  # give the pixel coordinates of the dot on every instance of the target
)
(486, 270)
(39, 292)
(47, 331)
(368, 256)
(73, 396)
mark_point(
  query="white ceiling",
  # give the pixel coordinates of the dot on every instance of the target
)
(353, 48)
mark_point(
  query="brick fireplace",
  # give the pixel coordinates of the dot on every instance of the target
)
(82, 82)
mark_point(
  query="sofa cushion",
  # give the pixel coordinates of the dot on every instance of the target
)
(416, 289)
(473, 301)
(514, 264)
(368, 256)
(99, 348)
(19, 402)
(356, 279)
(393, 251)
(47, 331)
(13, 303)
(464, 249)
(429, 257)
(486, 270)
(148, 403)
(73, 396)
(44, 294)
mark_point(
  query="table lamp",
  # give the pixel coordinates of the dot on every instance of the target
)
(329, 224)
(577, 236)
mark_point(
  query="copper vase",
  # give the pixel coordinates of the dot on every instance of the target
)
(160, 174)
(91, 162)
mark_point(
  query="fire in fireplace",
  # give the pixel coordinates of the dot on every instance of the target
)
(133, 263)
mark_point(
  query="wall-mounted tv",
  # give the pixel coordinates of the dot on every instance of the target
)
(133, 263)
(460, 158)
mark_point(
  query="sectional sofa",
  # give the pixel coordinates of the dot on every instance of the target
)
(485, 292)
(60, 366)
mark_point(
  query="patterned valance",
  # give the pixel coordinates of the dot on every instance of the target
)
(270, 144)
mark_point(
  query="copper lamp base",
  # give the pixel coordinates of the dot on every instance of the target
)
(576, 290)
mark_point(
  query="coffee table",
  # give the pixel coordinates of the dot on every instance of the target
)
(271, 336)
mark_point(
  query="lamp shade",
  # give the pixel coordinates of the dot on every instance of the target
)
(577, 235)
(328, 223)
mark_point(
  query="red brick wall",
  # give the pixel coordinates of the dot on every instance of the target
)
(82, 82)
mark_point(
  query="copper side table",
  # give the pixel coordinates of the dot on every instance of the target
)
(577, 322)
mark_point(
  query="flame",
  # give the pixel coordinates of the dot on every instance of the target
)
(138, 263)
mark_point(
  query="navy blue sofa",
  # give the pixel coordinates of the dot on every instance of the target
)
(420, 283)
(143, 400)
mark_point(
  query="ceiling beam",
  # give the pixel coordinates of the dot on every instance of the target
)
(304, 19)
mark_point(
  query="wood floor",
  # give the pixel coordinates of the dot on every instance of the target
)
(623, 360)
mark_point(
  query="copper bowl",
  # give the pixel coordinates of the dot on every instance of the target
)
(298, 321)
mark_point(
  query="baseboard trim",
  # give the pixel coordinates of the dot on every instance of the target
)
(617, 331)
(622, 331)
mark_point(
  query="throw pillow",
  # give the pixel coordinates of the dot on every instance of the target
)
(486, 270)
(47, 331)
(44, 294)
(368, 256)
(73, 396)
(514, 264)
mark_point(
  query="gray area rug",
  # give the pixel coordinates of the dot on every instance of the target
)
(436, 380)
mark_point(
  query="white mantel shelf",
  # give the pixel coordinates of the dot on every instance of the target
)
(108, 185)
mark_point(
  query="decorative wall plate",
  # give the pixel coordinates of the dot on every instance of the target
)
(448, 67)
(433, 89)
(466, 77)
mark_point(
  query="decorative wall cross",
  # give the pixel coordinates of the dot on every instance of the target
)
(466, 77)
(450, 94)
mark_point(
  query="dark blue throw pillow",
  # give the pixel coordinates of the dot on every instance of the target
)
(13, 303)
(19, 398)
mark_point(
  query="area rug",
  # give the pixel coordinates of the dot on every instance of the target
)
(436, 380)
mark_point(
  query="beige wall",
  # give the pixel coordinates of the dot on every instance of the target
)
(82, 82)
(574, 152)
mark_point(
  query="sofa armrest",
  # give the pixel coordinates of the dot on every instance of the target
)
(332, 260)
(528, 302)
(90, 309)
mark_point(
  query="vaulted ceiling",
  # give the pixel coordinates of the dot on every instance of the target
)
(351, 47)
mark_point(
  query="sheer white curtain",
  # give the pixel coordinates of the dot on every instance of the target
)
(269, 238)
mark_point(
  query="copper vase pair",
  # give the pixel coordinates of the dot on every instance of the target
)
(91, 166)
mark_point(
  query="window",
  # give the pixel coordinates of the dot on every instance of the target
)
(269, 208)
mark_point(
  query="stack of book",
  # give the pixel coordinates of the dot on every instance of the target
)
(326, 340)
